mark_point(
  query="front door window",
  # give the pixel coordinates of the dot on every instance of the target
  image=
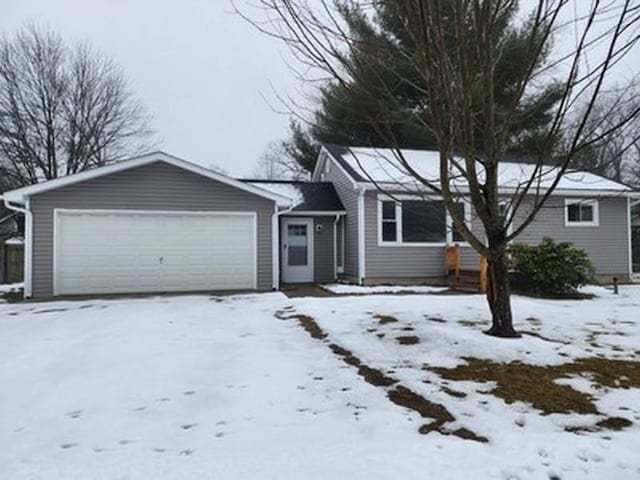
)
(298, 245)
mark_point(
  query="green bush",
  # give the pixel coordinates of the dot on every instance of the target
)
(551, 268)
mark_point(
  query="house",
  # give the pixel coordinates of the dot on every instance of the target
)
(157, 223)
(395, 230)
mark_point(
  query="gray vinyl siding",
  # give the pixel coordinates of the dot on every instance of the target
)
(323, 250)
(349, 197)
(607, 244)
(157, 186)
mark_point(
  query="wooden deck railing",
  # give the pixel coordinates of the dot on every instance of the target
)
(456, 276)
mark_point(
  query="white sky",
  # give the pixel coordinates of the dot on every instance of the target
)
(201, 71)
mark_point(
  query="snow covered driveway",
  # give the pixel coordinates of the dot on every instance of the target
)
(218, 388)
(186, 388)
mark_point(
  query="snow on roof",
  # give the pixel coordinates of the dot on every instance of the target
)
(14, 241)
(382, 166)
(288, 190)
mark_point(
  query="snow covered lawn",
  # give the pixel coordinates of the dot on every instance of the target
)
(218, 388)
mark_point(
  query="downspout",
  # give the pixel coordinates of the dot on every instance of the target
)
(28, 238)
(361, 237)
(335, 247)
(630, 205)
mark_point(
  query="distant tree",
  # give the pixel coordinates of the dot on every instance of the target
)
(380, 107)
(276, 163)
(474, 105)
(63, 109)
(613, 152)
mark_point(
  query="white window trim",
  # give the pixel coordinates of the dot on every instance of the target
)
(399, 243)
(589, 201)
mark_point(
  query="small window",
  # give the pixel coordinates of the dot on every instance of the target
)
(389, 222)
(581, 213)
(424, 221)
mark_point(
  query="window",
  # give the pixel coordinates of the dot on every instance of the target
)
(389, 222)
(417, 222)
(298, 245)
(581, 213)
(424, 222)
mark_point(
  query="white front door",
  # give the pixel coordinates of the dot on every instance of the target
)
(296, 242)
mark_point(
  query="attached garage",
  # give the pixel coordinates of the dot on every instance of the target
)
(134, 252)
(151, 224)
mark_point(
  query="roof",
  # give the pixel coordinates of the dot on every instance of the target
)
(20, 195)
(371, 166)
(306, 196)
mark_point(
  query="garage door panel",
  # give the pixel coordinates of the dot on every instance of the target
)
(119, 252)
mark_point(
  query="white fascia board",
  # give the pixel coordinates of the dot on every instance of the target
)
(19, 195)
(329, 157)
(399, 187)
(322, 158)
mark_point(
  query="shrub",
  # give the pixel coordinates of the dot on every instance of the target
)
(552, 268)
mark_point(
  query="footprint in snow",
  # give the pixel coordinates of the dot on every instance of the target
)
(190, 392)
(220, 423)
(186, 452)
(219, 435)
(159, 450)
(67, 446)
(188, 426)
(141, 409)
(126, 442)
(74, 414)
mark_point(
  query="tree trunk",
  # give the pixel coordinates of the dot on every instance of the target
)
(499, 297)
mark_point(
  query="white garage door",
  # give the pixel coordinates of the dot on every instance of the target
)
(123, 252)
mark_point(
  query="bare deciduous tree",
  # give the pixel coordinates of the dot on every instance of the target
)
(458, 46)
(62, 109)
(276, 164)
(616, 154)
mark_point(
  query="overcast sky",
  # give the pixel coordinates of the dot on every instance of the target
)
(201, 71)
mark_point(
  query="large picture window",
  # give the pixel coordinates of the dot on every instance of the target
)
(424, 222)
(416, 222)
